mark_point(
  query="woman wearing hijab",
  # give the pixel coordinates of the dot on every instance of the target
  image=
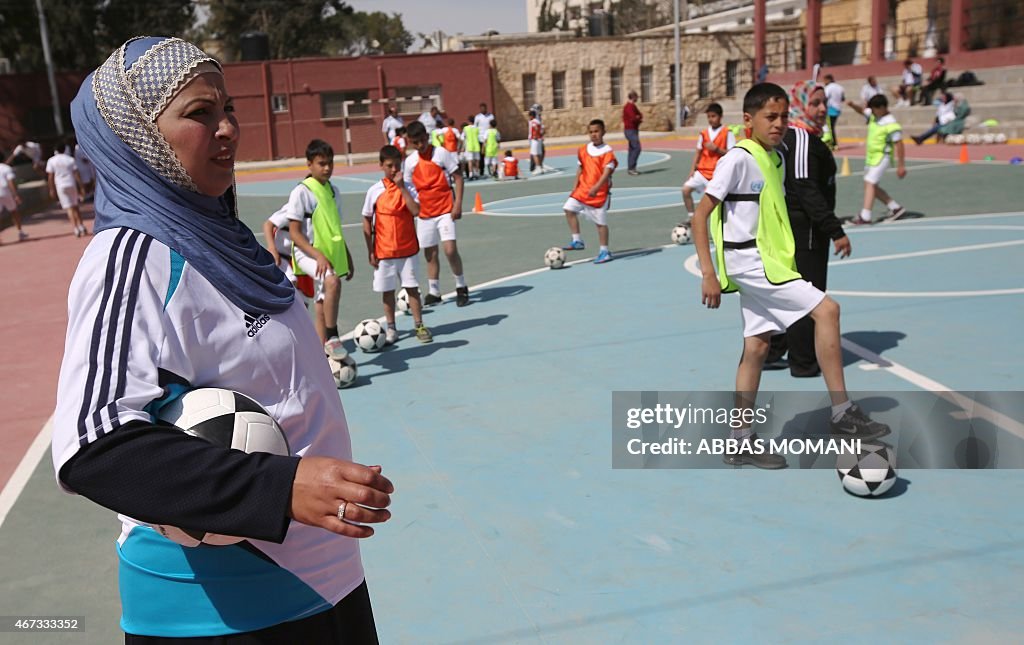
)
(157, 306)
(811, 202)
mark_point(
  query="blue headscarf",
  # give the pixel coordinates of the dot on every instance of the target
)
(141, 184)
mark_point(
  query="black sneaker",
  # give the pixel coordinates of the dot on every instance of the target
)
(431, 299)
(766, 460)
(462, 296)
(854, 424)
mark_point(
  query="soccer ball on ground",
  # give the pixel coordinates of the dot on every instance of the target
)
(369, 335)
(681, 234)
(402, 301)
(870, 473)
(227, 419)
(955, 139)
(344, 371)
(973, 139)
(988, 137)
(1000, 138)
(554, 258)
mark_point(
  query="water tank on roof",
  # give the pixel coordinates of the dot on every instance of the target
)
(254, 45)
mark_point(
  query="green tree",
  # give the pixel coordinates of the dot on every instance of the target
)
(70, 24)
(629, 16)
(364, 34)
(124, 19)
(295, 28)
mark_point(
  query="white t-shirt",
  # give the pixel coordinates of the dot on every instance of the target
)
(730, 139)
(282, 238)
(737, 173)
(447, 160)
(63, 168)
(183, 328)
(835, 96)
(428, 121)
(30, 149)
(6, 176)
(391, 123)
(483, 123)
(867, 91)
(300, 207)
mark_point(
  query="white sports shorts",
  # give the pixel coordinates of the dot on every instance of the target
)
(597, 215)
(432, 231)
(697, 182)
(286, 266)
(470, 156)
(68, 196)
(536, 147)
(873, 174)
(767, 307)
(394, 272)
(308, 266)
(7, 203)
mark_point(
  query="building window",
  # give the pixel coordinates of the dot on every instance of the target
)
(646, 80)
(732, 69)
(616, 85)
(408, 103)
(672, 82)
(703, 79)
(529, 90)
(557, 90)
(587, 81)
(331, 104)
(279, 103)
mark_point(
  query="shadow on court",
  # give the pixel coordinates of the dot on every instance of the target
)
(632, 254)
(397, 358)
(494, 293)
(876, 341)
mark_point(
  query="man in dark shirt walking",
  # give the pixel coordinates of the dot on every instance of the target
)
(631, 118)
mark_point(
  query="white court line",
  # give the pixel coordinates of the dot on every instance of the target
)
(12, 489)
(917, 254)
(972, 408)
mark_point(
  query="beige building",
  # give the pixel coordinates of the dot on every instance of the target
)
(579, 79)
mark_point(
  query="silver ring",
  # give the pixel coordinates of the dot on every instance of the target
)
(341, 511)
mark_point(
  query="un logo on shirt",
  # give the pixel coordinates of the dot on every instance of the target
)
(756, 186)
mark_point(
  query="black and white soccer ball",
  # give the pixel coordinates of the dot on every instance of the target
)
(369, 335)
(554, 258)
(224, 418)
(402, 301)
(1000, 137)
(681, 234)
(869, 473)
(344, 371)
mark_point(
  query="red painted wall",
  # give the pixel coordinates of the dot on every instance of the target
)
(464, 79)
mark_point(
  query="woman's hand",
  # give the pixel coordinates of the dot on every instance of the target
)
(322, 485)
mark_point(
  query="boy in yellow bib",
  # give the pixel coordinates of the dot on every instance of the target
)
(754, 249)
(319, 248)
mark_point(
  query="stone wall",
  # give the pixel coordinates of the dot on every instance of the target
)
(511, 61)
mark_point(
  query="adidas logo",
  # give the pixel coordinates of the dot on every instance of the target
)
(255, 322)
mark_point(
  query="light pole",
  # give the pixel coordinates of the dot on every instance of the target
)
(679, 108)
(45, 37)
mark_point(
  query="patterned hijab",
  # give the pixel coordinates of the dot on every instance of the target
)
(799, 97)
(141, 184)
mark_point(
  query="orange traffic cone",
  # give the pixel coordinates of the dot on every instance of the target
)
(478, 204)
(963, 154)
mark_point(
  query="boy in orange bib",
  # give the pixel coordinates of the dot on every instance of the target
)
(713, 142)
(509, 166)
(389, 229)
(592, 195)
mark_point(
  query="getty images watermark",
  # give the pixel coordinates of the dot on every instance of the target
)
(961, 430)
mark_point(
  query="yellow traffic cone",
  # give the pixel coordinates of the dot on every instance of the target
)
(845, 172)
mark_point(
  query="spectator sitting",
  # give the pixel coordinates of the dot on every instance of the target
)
(936, 82)
(943, 115)
(910, 83)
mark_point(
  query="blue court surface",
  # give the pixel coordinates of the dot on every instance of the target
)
(510, 524)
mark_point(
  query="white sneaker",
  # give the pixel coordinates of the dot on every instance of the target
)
(335, 349)
(22, 235)
(391, 336)
(78, 232)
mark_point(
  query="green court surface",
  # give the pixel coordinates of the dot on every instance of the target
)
(510, 525)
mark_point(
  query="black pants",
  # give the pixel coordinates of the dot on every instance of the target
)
(832, 127)
(799, 338)
(350, 622)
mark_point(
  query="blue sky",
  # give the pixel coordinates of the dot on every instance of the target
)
(468, 17)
